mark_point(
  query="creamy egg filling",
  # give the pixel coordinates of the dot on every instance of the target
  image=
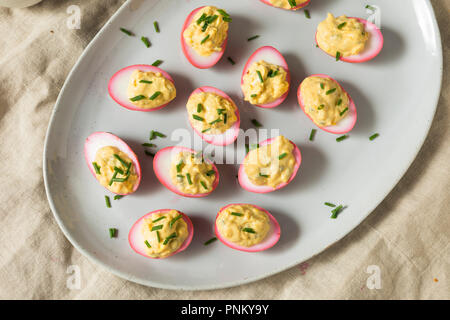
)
(210, 113)
(164, 233)
(243, 225)
(191, 174)
(324, 101)
(264, 83)
(287, 4)
(115, 170)
(207, 31)
(148, 90)
(341, 36)
(271, 164)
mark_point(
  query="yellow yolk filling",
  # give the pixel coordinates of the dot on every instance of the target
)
(211, 113)
(207, 31)
(168, 233)
(117, 181)
(324, 101)
(148, 90)
(264, 83)
(272, 164)
(191, 174)
(285, 3)
(243, 225)
(344, 35)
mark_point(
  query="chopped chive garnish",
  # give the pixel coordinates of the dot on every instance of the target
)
(370, 7)
(118, 170)
(225, 118)
(330, 91)
(220, 111)
(339, 102)
(211, 19)
(293, 3)
(180, 166)
(201, 19)
(157, 235)
(281, 156)
(259, 76)
(335, 212)
(307, 15)
(341, 25)
(157, 227)
(147, 244)
(188, 177)
(112, 232)
(145, 81)
(150, 145)
(249, 230)
(206, 130)
(154, 134)
(146, 42)
(137, 98)
(322, 86)
(156, 25)
(210, 241)
(312, 134)
(172, 236)
(254, 95)
(107, 202)
(157, 63)
(123, 162)
(338, 56)
(321, 107)
(159, 219)
(204, 185)
(149, 153)
(256, 123)
(263, 175)
(343, 112)
(127, 32)
(237, 214)
(210, 173)
(155, 95)
(113, 178)
(253, 38)
(330, 204)
(205, 26)
(174, 220)
(272, 74)
(204, 39)
(223, 12)
(199, 108)
(96, 167)
(196, 117)
(342, 138)
(231, 61)
(374, 136)
(118, 196)
(215, 121)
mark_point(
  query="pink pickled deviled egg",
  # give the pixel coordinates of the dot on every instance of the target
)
(272, 165)
(327, 104)
(247, 227)
(213, 116)
(266, 79)
(161, 234)
(287, 4)
(353, 40)
(204, 36)
(112, 162)
(142, 87)
(185, 172)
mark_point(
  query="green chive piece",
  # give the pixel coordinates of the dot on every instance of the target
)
(220, 111)
(253, 38)
(96, 167)
(330, 204)
(149, 153)
(370, 7)
(196, 117)
(146, 41)
(113, 178)
(210, 173)
(204, 185)
(322, 86)
(247, 148)
(158, 236)
(206, 130)
(145, 81)
(112, 233)
(201, 19)
(118, 196)
(127, 32)
(321, 107)
(199, 108)
(159, 219)
(338, 56)
(281, 156)
(231, 61)
(330, 91)
(171, 223)
(343, 112)
(342, 138)
(223, 12)
(155, 95)
(249, 230)
(156, 25)
(374, 136)
(118, 170)
(204, 39)
(341, 25)
(339, 102)
(293, 3)
(227, 19)
(307, 14)
(149, 145)
(172, 236)
(335, 212)
(215, 121)
(256, 123)
(154, 134)
(188, 177)
(155, 228)
(225, 118)
(108, 202)
(237, 214)
(137, 98)
(272, 74)
(210, 241)
(312, 134)
(263, 175)
(259, 76)
(254, 95)
(180, 166)
(147, 244)
(157, 63)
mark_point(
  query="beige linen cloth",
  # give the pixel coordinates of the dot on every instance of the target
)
(408, 235)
